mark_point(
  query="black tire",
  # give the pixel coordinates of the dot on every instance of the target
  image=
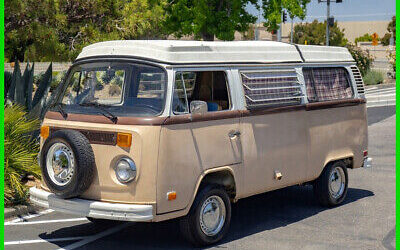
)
(84, 163)
(190, 224)
(321, 185)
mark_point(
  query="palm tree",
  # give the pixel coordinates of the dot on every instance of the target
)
(20, 153)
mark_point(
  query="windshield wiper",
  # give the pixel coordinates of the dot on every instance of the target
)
(61, 110)
(104, 112)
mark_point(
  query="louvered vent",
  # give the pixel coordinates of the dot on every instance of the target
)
(358, 79)
(271, 88)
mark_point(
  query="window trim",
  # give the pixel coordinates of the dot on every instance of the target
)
(228, 89)
(311, 68)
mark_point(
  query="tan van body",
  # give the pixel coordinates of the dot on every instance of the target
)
(248, 151)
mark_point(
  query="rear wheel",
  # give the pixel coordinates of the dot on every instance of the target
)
(331, 187)
(209, 218)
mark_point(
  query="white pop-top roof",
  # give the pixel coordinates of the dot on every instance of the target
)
(179, 51)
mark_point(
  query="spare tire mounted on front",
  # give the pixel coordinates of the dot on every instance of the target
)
(67, 163)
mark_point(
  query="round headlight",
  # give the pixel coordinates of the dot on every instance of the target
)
(125, 170)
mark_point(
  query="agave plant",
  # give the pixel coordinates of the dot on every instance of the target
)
(20, 152)
(19, 87)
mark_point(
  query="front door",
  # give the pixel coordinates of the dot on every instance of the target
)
(192, 143)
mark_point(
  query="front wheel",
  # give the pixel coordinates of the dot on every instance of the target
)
(209, 217)
(331, 187)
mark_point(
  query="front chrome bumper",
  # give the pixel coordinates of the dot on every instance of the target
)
(367, 162)
(89, 208)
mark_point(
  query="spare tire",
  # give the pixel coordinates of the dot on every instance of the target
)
(67, 163)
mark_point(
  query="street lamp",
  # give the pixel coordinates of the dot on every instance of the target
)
(328, 18)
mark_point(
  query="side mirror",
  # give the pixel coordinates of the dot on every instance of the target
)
(198, 107)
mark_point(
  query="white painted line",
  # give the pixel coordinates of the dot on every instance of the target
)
(377, 91)
(24, 218)
(381, 92)
(381, 104)
(377, 88)
(96, 237)
(43, 221)
(379, 101)
(20, 242)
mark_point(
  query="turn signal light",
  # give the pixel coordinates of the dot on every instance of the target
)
(45, 132)
(171, 195)
(124, 140)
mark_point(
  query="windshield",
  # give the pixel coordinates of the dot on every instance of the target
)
(122, 89)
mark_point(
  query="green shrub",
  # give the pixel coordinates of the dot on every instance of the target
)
(20, 153)
(392, 62)
(106, 77)
(365, 38)
(385, 40)
(373, 77)
(117, 80)
(314, 34)
(114, 90)
(58, 76)
(363, 58)
(20, 89)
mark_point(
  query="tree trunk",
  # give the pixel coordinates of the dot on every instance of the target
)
(207, 36)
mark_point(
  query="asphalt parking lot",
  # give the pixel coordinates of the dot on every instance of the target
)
(283, 219)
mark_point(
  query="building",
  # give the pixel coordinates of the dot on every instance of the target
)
(352, 30)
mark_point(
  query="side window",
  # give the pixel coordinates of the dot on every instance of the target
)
(271, 88)
(327, 84)
(208, 86)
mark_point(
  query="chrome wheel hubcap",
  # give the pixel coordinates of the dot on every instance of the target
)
(212, 215)
(60, 162)
(337, 182)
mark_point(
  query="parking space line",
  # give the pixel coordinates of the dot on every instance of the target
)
(20, 242)
(24, 218)
(96, 237)
(43, 221)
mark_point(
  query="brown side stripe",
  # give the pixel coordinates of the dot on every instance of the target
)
(104, 120)
(334, 104)
(187, 118)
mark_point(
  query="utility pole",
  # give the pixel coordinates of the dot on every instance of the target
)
(291, 32)
(329, 20)
(283, 20)
(256, 31)
(280, 33)
(328, 13)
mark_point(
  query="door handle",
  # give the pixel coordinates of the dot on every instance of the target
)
(234, 134)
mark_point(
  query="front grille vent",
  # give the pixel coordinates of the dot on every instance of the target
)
(95, 137)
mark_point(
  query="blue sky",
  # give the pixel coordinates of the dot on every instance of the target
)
(349, 10)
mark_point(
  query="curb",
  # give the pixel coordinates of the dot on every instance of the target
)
(19, 210)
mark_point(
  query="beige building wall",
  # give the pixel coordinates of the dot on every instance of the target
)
(352, 30)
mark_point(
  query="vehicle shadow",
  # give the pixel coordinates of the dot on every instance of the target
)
(249, 216)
